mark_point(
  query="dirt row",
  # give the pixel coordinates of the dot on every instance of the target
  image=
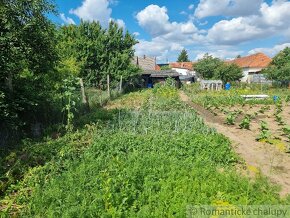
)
(269, 159)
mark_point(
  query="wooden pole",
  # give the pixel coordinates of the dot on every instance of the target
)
(108, 85)
(121, 84)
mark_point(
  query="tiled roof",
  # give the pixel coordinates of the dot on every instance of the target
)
(258, 60)
(183, 65)
(145, 63)
(157, 67)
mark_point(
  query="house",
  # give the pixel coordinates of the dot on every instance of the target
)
(185, 70)
(152, 73)
(145, 63)
(252, 66)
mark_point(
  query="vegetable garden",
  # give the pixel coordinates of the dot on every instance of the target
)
(268, 118)
(152, 160)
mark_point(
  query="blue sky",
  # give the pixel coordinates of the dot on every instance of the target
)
(222, 28)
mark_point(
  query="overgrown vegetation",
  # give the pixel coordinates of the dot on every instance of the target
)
(150, 162)
(41, 65)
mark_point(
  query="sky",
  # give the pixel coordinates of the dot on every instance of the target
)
(222, 28)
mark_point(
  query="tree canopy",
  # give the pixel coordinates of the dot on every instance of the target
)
(228, 72)
(207, 65)
(38, 60)
(98, 52)
(210, 67)
(28, 56)
(279, 69)
(183, 56)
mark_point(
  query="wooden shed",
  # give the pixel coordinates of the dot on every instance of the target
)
(154, 77)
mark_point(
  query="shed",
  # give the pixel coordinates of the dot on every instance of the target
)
(152, 77)
(187, 79)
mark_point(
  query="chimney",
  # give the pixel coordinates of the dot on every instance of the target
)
(144, 56)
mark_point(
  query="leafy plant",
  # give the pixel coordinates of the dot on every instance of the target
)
(230, 118)
(245, 123)
(264, 131)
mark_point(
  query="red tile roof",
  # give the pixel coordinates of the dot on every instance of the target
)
(183, 65)
(258, 60)
(157, 67)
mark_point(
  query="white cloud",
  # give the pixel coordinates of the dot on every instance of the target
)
(270, 21)
(183, 13)
(114, 2)
(97, 10)
(94, 10)
(176, 47)
(67, 20)
(136, 34)
(270, 51)
(191, 7)
(154, 48)
(155, 20)
(208, 8)
(167, 37)
(120, 23)
(188, 28)
(278, 14)
(245, 21)
(234, 31)
(220, 53)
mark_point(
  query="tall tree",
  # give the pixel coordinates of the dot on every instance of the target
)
(214, 68)
(228, 72)
(279, 69)
(27, 57)
(207, 65)
(99, 52)
(183, 56)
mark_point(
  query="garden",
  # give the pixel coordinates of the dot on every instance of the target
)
(259, 127)
(149, 160)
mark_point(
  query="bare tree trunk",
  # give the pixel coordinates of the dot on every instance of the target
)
(84, 96)
(108, 85)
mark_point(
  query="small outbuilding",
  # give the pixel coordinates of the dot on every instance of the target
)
(187, 79)
(153, 77)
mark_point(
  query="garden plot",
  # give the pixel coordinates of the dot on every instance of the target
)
(269, 123)
(258, 130)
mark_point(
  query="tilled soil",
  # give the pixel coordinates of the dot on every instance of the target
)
(271, 161)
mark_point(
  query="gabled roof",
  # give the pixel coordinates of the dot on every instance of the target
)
(145, 62)
(258, 60)
(182, 65)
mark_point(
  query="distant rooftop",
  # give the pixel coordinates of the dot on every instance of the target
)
(258, 60)
(182, 65)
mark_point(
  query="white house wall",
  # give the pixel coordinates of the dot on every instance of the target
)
(247, 71)
(184, 72)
